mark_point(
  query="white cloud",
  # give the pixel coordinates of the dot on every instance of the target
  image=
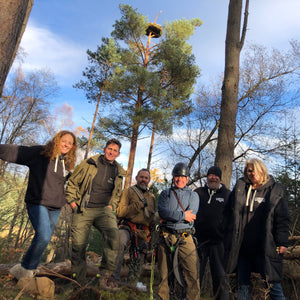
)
(45, 49)
(274, 22)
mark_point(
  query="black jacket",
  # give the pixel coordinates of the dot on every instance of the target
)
(275, 229)
(45, 184)
(209, 221)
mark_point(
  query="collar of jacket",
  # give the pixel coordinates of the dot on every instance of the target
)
(270, 182)
(217, 190)
(96, 159)
(186, 188)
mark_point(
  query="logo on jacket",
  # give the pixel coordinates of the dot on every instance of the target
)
(220, 199)
(259, 199)
(110, 180)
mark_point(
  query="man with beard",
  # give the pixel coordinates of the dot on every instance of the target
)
(136, 212)
(210, 230)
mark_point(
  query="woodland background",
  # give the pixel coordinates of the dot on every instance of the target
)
(146, 73)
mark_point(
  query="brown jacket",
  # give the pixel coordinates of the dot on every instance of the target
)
(132, 209)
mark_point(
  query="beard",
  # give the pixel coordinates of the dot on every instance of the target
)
(142, 186)
(213, 185)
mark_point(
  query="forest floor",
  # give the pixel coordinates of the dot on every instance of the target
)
(65, 289)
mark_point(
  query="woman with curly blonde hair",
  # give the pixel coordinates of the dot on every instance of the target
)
(49, 167)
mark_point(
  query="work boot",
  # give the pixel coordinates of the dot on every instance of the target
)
(19, 272)
(108, 283)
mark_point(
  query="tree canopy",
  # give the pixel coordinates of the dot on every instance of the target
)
(150, 82)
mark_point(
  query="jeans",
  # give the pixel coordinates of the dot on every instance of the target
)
(276, 292)
(245, 265)
(43, 222)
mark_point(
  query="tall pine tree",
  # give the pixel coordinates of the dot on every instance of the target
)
(154, 80)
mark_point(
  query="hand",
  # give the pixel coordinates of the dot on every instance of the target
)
(189, 216)
(281, 249)
(73, 205)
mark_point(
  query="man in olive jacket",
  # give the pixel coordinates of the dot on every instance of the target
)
(136, 211)
(93, 192)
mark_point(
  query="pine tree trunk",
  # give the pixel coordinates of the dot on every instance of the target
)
(151, 148)
(93, 124)
(13, 19)
(133, 144)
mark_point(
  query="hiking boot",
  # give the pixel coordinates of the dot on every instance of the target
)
(19, 272)
(108, 283)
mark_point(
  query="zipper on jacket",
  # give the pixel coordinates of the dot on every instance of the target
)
(85, 204)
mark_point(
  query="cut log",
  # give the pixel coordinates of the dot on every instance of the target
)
(294, 238)
(292, 253)
(54, 269)
(291, 269)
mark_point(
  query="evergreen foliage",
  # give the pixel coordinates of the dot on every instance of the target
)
(147, 83)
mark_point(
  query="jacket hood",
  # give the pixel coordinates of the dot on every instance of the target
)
(266, 185)
(93, 160)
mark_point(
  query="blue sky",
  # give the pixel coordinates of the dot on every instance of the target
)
(60, 31)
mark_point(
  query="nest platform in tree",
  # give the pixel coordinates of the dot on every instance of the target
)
(154, 29)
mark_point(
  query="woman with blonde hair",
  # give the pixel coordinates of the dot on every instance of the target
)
(259, 228)
(49, 166)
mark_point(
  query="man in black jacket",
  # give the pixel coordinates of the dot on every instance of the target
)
(209, 230)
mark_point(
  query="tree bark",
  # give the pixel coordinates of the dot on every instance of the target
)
(132, 151)
(230, 89)
(93, 124)
(134, 138)
(151, 148)
(13, 19)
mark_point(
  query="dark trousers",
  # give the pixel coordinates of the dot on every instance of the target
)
(215, 255)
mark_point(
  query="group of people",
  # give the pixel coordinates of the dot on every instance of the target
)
(242, 231)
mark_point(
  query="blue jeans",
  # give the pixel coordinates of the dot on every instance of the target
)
(244, 267)
(43, 222)
(276, 292)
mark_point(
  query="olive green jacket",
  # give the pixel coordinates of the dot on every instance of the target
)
(80, 184)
